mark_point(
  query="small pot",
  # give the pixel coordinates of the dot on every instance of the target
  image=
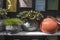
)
(58, 25)
(58, 21)
(2, 28)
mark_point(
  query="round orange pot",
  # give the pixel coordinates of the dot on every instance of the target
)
(49, 25)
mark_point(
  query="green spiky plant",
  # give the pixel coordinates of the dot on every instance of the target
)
(3, 13)
(12, 21)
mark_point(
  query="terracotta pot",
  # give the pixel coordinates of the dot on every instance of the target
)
(49, 25)
(58, 21)
(59, 26)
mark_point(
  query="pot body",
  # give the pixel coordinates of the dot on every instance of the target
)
(59, 26)
(13, 28)
(2, 28)
(49, 25)
(58, 21)
(30, 26)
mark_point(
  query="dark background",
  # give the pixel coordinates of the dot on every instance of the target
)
(13, 14)
(45, 13)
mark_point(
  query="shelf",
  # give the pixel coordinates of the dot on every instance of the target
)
(30, 34)
(3, 33)
(34, 34)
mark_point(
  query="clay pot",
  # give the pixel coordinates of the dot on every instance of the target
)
(49, 25)
(58, 21)
(59, 26)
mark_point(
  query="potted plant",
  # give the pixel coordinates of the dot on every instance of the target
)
(3, 15)
(13, 24)
(30, 18)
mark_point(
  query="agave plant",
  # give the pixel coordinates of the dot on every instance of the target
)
(3, 13)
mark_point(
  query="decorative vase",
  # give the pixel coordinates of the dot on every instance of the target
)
(49, 25)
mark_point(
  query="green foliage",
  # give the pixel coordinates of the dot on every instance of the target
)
(13, 21)
(3, 13)
(30, 15)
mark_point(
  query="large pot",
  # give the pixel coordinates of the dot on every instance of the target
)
(30, 26)
(49, 25)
